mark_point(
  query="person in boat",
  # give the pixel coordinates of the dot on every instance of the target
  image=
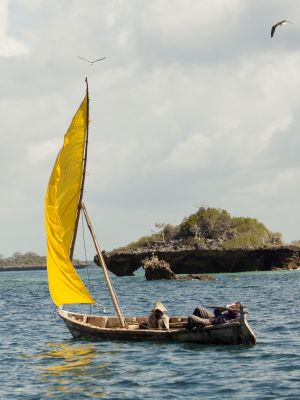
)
(158, 319)
(203, 317)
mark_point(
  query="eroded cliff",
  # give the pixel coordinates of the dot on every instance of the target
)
(195, 261)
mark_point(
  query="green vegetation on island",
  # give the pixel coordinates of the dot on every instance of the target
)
(18, 259)
(27, 260)
(212, 228)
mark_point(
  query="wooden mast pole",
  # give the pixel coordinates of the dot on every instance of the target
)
(82, 206)
(104, 268)
(83, 171)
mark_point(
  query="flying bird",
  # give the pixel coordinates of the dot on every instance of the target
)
(283, 22)
(91, 62)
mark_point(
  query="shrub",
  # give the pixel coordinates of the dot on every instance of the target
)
(208, 223)
(213, 226)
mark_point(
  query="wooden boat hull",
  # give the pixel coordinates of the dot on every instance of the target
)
(106, 328)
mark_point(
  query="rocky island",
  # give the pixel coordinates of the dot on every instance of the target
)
(198, 261)
(29, 261)
(156, 269)
(208, 241)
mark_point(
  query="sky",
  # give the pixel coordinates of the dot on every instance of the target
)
(194, 105)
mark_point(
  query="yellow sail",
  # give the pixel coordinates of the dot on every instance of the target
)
(61, 204)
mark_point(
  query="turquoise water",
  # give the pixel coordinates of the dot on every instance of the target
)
(40, 360)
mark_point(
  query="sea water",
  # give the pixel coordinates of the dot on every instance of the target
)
(40, 360)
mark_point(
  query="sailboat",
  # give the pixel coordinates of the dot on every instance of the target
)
(63, 206)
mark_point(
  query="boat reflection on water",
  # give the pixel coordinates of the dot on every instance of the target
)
(69, 356)
(68, 367)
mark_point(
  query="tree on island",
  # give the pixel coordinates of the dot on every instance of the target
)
(28, 259)
(212, 227)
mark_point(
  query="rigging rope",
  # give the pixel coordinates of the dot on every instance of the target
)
(86, 263)
(98, 305)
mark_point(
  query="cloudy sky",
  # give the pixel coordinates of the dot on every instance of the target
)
(194, 105)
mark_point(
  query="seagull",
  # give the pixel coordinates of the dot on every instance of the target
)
(283, 22)
(91, 62)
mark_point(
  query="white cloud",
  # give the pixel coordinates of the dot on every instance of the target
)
(190, 154)
(193, 23)
(37, 152)
(9, 46)
(194, 104)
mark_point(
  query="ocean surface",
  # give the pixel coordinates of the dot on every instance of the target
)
(40, 360)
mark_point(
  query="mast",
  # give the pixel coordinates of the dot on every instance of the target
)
(83, 172)
(104, 268)
(80, 207)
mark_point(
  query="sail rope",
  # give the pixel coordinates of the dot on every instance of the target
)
(98, 305)
(85, 256)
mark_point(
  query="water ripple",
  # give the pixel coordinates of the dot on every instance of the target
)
(39, 360)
